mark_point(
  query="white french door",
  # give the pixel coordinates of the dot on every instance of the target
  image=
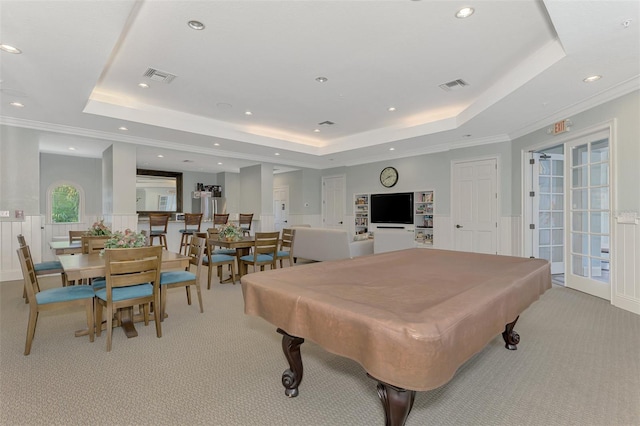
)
(548, 202)
(588, 231)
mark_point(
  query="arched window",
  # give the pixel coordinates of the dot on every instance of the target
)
(65, 203)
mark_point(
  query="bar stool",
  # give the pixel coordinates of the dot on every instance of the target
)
(220, 219)
(160, 222)
(190, 219)
(244, 222)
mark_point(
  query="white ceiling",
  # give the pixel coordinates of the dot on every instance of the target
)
(524, 62)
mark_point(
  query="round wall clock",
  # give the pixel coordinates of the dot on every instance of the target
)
(388, 177)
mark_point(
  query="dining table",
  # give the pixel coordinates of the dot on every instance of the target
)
(85, 266)
(65, 247)
(242, 247)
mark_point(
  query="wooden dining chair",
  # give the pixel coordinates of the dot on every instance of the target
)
(51, 267)
(244, 222)
(220, 219)
(51, 299)
(192, 223)
(186, 278)
(76, 236)
(212, 259)
(264, 253)
(286, 246)
(133, 279)
(158, 223)
(93, 244)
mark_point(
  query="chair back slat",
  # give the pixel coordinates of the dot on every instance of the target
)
(193, 219)
(288, 235)
(266, 243)
(132, 266)
(220, 219)
(196, 250)
(29, 273)
(76, 236)
(21, 240)
(92, 243)
(158, 220)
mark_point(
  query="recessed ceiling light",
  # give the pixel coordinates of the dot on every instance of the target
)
(322, 79)
(219, 164)
(277, 153)
(122, 128)
(143, 85)
(196, 25)
(592, 78)
(10, 49)
(465, 12)
(316, 130)
(391, 109)
(160, 156)
(216, 144)
(248, 113)
(17, 104)
(392, 149)
(72, 148)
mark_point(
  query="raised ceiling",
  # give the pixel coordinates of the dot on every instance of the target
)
(523, 63)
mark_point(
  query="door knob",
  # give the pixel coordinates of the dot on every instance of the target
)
(458, 226)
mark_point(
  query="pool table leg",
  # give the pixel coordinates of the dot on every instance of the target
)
(292, 377)
(511, 338)
(397, 403)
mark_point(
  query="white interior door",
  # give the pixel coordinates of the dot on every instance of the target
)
(588, 247)
(548, 189)
(280, 207)
(474, 203)
(333, 190)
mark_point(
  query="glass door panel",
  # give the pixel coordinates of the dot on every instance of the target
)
(550, 209)
(588, 231)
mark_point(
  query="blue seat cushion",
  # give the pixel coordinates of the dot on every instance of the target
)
(218, 258)
(172, 277)
(47, 266)
(187, 231)
(231, 252)
(98, 283)
(124, 293)
(283, 253)
(157, 233)
(260, 258)
(64, 294)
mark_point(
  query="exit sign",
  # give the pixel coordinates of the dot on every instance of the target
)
(560, 127)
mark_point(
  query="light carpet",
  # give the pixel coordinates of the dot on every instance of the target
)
(578, 363)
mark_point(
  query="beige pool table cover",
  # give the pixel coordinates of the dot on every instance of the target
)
(411, 318)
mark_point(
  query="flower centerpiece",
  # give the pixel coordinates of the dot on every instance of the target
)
(230, 232)
(126, 239)
(99, 229)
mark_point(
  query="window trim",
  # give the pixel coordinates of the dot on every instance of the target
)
(81, 200)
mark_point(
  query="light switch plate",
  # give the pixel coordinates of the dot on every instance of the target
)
(4, 213)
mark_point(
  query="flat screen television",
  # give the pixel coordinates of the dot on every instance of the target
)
(392, 208)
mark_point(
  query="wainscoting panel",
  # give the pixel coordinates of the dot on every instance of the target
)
(9, 231)
(626, 267)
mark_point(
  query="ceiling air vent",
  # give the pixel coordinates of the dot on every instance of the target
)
(157, 75)
(328, 123)
(454, 85)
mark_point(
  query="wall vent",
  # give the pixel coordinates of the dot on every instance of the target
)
(157, 75)
(454, 85)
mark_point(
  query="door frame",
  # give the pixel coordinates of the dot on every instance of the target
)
(525, 237)
(284, 188)
(497, 199)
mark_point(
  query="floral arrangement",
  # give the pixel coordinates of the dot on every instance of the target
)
(230, 232)
(99, 229)
(126, 239)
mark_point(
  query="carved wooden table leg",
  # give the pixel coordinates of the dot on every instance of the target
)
(292, 377)
(397, 402)
(511, 338)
